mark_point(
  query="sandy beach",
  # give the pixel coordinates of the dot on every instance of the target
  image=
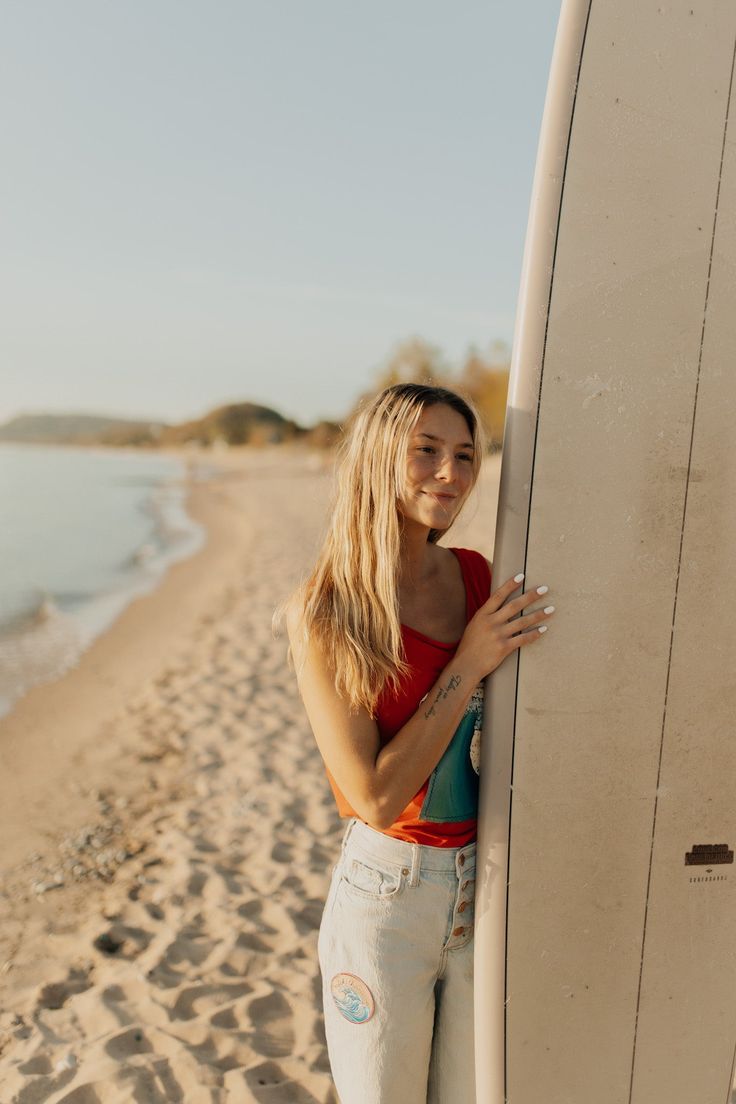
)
(168, 831)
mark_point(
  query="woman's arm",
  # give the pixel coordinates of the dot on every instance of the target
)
(380, 782)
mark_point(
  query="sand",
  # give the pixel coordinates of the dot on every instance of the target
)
(167, 830)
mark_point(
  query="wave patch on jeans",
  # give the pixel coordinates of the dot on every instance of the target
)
(352, 997)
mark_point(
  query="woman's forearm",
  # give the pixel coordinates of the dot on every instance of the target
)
(407, 760)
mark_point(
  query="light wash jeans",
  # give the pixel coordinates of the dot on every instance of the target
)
(396, 955)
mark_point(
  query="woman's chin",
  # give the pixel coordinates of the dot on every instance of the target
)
(440, 519)
(434, 517)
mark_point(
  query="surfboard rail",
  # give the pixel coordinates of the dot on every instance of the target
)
(530, 329)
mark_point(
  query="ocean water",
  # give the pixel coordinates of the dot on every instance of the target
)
(82, 532)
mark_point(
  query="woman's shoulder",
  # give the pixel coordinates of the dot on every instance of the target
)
(293, 614)
(293, 608)
(477, 572)
(473, 558)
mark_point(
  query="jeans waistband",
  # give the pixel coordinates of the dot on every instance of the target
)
(417, 856)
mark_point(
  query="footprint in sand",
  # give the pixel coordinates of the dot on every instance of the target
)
(56, 993)
(308, 919)
(319, 857)
(273, 1032)
(131, 1041)
(252, 942)
(190, 999)
(273, 1085)
(122, 941)
(253, 911)
(201, 843)
(190, 948)
(44, 1088)
(225, 1019)
(196, 883)
(36, 1066)
(282, 852)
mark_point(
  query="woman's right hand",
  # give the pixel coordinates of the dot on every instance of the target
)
(491, 635)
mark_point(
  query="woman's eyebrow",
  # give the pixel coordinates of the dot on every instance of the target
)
(431, 437)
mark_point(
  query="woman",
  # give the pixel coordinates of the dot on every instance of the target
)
(392, 636)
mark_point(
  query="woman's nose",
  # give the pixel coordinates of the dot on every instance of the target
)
(448, 468)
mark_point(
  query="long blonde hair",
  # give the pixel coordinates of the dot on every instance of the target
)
(349, 602)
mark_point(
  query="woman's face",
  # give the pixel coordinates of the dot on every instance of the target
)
(439, 468)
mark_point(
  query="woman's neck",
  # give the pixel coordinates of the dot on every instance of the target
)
(416, 558)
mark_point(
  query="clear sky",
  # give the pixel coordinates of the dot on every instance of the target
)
(208, 201)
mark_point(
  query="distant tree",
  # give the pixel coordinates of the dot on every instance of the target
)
(481, 378)
(323, 435)
(414, 360)
(486, 380)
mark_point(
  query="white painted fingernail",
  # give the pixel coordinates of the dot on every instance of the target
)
(542, 628)
(518, 578)
(542, 589)
(549, 609)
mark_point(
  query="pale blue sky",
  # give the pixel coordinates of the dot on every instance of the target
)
(206, 202)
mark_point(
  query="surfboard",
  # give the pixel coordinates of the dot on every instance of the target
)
(605, 961)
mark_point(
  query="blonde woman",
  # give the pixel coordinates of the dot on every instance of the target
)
(392, 635)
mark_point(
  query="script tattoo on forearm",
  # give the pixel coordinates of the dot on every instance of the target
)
(442, 693)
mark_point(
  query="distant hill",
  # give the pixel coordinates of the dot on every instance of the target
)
(70, 428)
(236, 424)
(233, 424)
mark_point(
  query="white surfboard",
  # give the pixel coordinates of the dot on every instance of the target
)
(606, 892)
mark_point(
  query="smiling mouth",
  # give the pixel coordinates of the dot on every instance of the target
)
(443, 497)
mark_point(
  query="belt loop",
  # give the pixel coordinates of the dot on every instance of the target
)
(346, 836)
(416, 862)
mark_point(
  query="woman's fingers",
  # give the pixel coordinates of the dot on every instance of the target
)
(524, 599)
(492, 633)
(521, 639)
(501, 599)
(530, 619)
(498, 597)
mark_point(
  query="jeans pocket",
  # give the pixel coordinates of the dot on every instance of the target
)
(372, 878)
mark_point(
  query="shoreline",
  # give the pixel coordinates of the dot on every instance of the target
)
(34, 793)
(41, 642)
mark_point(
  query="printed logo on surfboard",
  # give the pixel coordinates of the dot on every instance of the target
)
(352, 997)
(708, 854)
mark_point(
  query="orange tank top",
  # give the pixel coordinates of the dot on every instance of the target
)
(444, 813)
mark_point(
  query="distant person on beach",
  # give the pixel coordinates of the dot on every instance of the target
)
(392, 636)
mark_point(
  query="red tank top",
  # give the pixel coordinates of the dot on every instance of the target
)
(444, 813)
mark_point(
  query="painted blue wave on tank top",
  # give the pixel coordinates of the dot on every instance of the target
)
(452, 793)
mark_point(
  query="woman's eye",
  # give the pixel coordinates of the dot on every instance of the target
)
(429, 448)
